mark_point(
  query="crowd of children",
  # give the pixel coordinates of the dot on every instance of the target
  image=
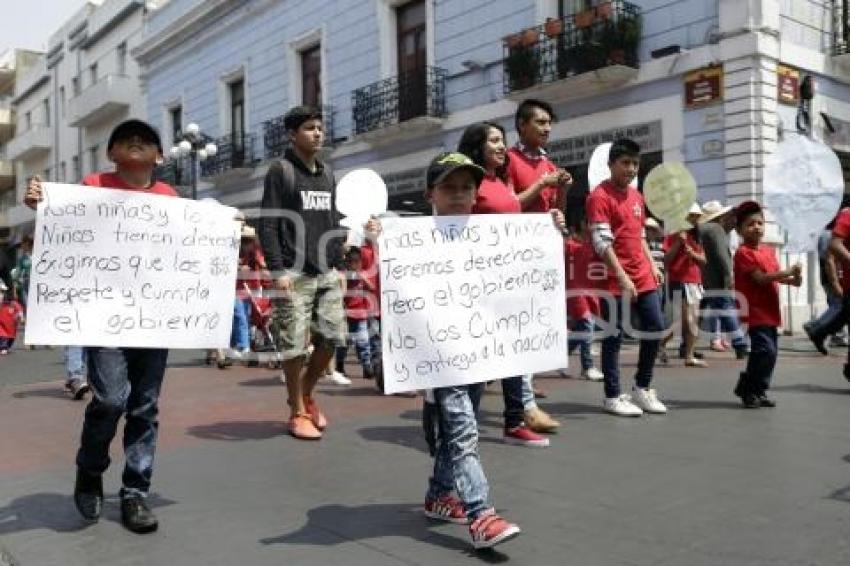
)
(618, 269)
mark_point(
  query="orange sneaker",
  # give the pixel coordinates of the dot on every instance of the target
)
(302, 427)
(316, 415)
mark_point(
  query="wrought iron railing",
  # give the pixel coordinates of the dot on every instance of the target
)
(234, 151)
(607, 34)
(176, 171)
(840, 27)
(408, 95)
(276, 140)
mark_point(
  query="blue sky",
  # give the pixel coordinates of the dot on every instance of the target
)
(29, 23)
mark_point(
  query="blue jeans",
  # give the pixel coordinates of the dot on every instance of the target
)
(833, 319)
(75, 363)
(358, 332)
(723, 314)
(764, 347)
(581, 336)
(124, 382)
(457, 466)
(647, 308)
(240, 335)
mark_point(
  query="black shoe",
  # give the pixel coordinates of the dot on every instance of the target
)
(818, 342)
(750, 401)
(742, 353)
(136, 516)
(847, 372)
(88, 495)
(765, 401)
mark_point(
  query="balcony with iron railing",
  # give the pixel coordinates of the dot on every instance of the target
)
(276, 139)
(176, 171)
(108, 96)
(579, 55)
(235, 151)
(408, 104)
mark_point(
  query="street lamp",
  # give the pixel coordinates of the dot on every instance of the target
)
(194, 144)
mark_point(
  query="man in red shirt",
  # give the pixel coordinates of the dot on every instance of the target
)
(125, 381)
(839, 247)
(616, 214)
(757, 279)
(540, 185)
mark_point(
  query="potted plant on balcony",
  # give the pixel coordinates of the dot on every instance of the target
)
(530, 37)
(621, 39)
(522, 66)
(585, 18)
(553, 27)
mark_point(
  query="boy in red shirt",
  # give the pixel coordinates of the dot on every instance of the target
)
(757, 279)
(358, 308)
(582, 303)
(11, 314)
(615, 212)
(124, 381)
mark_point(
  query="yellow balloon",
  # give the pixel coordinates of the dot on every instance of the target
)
(669, 191)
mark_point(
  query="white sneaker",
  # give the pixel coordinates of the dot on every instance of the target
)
(233, 354)
(592, 374)
(282, 377)
(336, 378)
(647, 400)
(622, 406)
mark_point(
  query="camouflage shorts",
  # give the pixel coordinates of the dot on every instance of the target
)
(311, 311)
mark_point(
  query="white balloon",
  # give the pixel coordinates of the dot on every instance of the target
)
(597, 169)
(803, 188)
(361, 194)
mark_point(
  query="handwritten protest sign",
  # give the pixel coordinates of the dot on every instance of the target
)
(121, 268)
(466, 299)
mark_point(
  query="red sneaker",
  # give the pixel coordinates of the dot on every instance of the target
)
(523, 436)
(489, 530)
(446, 508)
(315, 413)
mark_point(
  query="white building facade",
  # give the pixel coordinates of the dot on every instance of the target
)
(67, 105)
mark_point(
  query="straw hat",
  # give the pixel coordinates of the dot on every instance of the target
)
(695, 210)
(249, 232)
(713, 209)
(652, 223)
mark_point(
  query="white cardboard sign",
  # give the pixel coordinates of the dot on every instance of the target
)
(466, 299)
(127, 269)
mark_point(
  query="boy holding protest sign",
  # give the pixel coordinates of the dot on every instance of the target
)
(616, 214)
(452, 181)
(757, 280)
(124, 381)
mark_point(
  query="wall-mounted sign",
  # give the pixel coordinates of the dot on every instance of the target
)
(577, 150)
(704, 87)
(788, 85)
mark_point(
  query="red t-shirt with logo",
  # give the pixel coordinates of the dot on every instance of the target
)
(683, 269)
(762, 300)
(524, 171)
(581, 302)
(495, 197)
(842, 230)
(10, 314)
(623, 211)
(114, 181)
